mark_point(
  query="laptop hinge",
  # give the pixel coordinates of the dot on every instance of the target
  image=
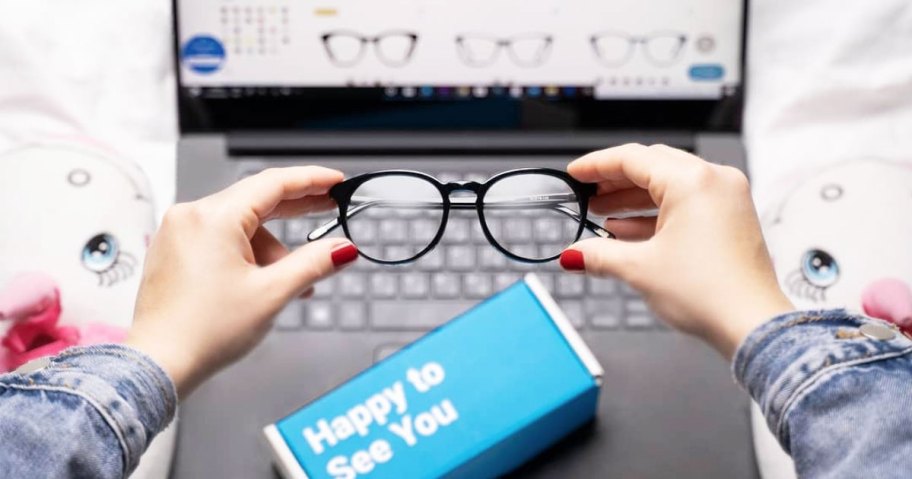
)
(442, 144)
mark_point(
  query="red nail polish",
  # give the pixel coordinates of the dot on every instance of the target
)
(572, 260)
(344, 254)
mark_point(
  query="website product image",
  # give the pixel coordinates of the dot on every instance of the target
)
(526, 50)
(346, 48)
(614, 48)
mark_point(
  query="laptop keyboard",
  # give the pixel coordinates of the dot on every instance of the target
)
(462, 270)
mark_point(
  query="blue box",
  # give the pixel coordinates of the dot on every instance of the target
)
(473, 398)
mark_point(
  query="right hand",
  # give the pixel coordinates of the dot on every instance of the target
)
(702, 264)
(214, 277)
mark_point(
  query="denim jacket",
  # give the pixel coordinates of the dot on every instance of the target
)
(90, 412)
(836, 389)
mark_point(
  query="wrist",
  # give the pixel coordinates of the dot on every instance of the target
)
(748, 314)
(177, 363)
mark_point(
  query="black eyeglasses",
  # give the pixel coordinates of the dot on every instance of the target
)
(550, 204)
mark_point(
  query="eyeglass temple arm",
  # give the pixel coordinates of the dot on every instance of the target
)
(550, 201)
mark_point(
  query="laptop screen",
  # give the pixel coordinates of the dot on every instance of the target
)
(468, 63)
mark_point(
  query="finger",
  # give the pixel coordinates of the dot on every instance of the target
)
(621, 201)
(266, 248)
(307, 294)
(601, 257)
(633, 165)
(302, 268)
(302, 206)
(262, 192)
(632, 229)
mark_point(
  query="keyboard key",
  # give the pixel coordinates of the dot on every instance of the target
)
(523, 250)
(477, 285)
(446, 285)
(432, 261)
(570, 285)
(415, 285)
(297, 229)
(393, 230)
(548, 281)
(640, 321)
(517, 229)
(636, 305)
(396, 253)
(423, 231)
(324, 288)
(289, 318)
(319, 315)
(638, 315)
(352, 285)
(602, 286)
(605, 313)
(457, 230)
(363, 230)
(491, 259)
(574, 312)
(415, 315)
(460, 257)
(384, 285)
(547, 230)
(504, 280)
(352, 315)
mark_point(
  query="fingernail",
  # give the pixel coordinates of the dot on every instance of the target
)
(344, 254)
(572, 260)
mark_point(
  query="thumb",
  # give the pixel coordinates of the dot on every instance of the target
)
(299, 270)
(601, 257)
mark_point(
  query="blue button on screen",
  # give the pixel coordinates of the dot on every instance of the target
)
(708, 72)
(203, 54)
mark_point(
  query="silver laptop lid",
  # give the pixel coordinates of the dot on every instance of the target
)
(472, 64)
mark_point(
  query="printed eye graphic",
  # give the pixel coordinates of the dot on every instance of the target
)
(819, 268)
(818, 271)
(102, 255)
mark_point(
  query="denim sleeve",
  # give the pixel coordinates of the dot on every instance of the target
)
(91, 412)
(838, 398)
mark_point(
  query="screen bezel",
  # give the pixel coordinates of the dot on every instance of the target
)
(368, 110)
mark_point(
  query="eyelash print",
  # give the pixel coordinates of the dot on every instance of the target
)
(102, 255)
(121, 269)
(799, 286)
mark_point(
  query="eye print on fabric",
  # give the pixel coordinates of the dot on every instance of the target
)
(102, 255)
(818, 271)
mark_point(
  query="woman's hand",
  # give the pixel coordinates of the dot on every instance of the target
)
(214, 277)
(702, 264)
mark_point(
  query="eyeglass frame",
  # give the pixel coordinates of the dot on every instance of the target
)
(505, 43)
(632, 42)
(343, 192)
(372, 39)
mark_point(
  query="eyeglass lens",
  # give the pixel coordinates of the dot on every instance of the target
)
(536, 215)
(394, 218)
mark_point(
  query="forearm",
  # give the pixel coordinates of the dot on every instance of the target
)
(90, 413)
(838, 400)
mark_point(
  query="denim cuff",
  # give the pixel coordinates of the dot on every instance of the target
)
(783, 360)
(133, 395)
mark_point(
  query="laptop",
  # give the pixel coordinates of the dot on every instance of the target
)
(460, 90)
